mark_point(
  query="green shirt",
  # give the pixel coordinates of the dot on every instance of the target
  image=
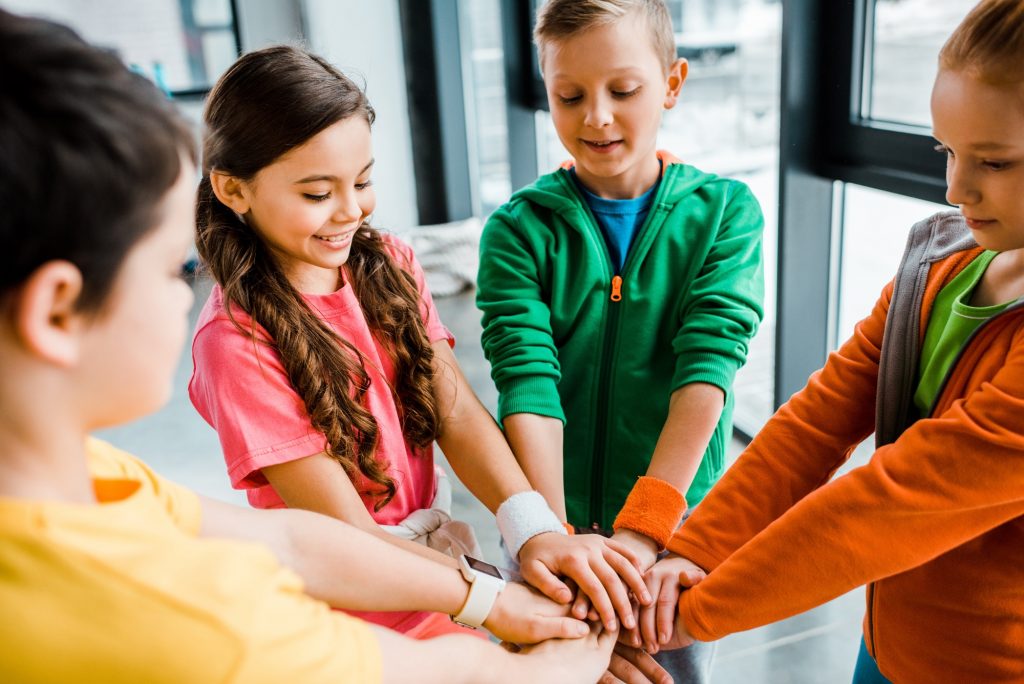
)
(571, 337)
(951, 323)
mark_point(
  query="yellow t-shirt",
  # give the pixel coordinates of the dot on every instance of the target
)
(125, 591)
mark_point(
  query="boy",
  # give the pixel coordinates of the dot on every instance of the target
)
(619, 293)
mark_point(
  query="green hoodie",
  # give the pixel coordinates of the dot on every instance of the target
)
(560, 346)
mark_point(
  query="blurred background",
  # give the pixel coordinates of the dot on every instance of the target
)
(821, 107)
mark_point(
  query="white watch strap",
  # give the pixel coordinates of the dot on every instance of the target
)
(483, 592)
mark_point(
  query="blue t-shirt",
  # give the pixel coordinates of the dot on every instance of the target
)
(619, 219)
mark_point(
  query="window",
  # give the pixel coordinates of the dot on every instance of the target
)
(181, 45)
(902, 47)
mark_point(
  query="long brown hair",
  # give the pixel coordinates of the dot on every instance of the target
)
(266, 104)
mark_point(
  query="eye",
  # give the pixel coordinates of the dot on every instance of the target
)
(364, 185)
(624, 94)
(993, 165)
(570, 100)
(942, 149)
(316, 198)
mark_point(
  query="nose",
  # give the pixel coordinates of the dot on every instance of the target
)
(598, 113)
(961, 186)
(348, 209)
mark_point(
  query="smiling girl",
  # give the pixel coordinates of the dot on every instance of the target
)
(320, 358)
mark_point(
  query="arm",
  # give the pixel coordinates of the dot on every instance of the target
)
(464, 660)
(481, 458)
(945, 481)
(693, 414)
(348, 568)
(716, 321)
(318, 483)
(536, 442)
(795, 453)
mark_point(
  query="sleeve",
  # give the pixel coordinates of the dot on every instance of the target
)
(241, 389)
(404, 256)
(945, 481)
(726, 301)
(517, 337)
(797, 451)
(181, 504)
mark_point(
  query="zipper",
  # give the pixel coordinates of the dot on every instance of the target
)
(603, 403)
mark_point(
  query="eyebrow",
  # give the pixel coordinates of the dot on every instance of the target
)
(327, 177)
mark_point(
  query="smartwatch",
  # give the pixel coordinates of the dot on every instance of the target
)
(485, 583)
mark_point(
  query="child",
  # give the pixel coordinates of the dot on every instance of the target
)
(619, 293)
(108, 573)
(934, 523)
(319, 357)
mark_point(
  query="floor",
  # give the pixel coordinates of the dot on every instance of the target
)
(816, 647)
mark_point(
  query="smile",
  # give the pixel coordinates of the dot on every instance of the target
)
(342, 237)
(602, 145)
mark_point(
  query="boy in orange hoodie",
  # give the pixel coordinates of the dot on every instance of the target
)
(934, 524)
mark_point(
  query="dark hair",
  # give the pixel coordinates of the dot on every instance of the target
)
(88, 151)
(266, 104)
(989, 43)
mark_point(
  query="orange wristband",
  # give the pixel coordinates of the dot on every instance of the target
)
(654, 509)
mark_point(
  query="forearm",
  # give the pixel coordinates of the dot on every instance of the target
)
(470, 439)
(693, 414)
(536, 442)
(453, 659)
(339, 563)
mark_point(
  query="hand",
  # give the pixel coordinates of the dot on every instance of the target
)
(643, 547)
(524, 616)
(602, 569)
(560, 661)
(665, 581)
(633, 666)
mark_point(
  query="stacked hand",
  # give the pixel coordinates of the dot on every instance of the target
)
(659, 622)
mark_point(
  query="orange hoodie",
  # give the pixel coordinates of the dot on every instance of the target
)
(934, 524)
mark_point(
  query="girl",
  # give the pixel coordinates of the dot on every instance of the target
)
(319, 357)
(109, 573)
(934, 524)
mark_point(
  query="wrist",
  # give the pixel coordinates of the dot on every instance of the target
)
(654, 509)
(523, 516)
(485, 586)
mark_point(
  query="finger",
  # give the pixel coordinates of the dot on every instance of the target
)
(625, 671)
(617, 592)
(609, 678)
(624, 550)
(581, 607)
(591, 585)
(691, 577)
(629, 574)
(561, 628)
(667, 607)
(648, 626)
(649, 668)
(537, 574)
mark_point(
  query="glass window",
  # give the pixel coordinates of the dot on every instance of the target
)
(901, 54)
(181, 45)
(486, 116)
(875, 229)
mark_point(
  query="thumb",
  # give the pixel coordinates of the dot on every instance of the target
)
(691, 578)
(537, 574)
(562, 628)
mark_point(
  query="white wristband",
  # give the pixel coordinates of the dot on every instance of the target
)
(522, 517)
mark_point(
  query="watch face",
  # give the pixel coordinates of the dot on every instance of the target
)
(483, 567)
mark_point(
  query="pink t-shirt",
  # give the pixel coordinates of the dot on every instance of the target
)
(241, 389)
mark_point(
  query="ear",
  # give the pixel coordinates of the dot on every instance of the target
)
(46, 321)
(231, 191)
(674, 82)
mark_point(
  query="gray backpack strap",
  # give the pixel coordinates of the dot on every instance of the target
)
(931, 240)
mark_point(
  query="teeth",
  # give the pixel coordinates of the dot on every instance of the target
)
(335, 238)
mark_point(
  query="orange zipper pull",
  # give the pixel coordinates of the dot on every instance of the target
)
(617, 289)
